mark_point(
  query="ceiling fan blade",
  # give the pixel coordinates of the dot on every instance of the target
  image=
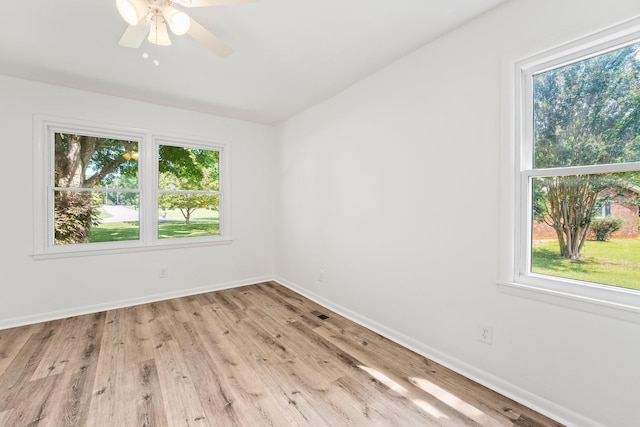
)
(134, 35)
(210, 41)
(202, 3)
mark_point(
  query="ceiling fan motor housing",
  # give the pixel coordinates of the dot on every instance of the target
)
(151, 17)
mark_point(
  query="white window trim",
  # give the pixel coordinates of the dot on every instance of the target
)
(148, 143)
(515, 236)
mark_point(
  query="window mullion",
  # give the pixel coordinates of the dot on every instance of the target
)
(524, 227)
(148, 197)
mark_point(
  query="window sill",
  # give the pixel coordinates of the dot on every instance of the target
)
(102, 250)
(625, 307)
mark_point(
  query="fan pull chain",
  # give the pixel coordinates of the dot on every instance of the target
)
(155, 61)
(145, 55)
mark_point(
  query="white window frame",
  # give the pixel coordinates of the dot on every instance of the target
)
(186, 143)
(517, 173)
(148, 143)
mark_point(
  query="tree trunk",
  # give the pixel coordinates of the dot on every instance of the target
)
(570, 204)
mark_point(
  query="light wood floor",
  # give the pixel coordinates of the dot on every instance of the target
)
(252, 356)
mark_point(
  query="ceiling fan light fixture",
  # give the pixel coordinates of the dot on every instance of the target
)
(179, 22)
(158, 33)
(132, 11)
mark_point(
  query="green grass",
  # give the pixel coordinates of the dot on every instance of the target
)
(115, 232)
(172, 228)
(180, 229)
(121, 231)
(204, 222)
(614, 262)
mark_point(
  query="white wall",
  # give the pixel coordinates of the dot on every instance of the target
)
(34, 290)
(392, 188)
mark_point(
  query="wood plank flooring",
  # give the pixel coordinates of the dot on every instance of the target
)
(252, 356)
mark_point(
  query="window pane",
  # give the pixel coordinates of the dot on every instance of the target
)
(90, 162)
(571, 237)
(188, 215)
(183, 168)
(83, 161)
(588, 112)
(89, 217)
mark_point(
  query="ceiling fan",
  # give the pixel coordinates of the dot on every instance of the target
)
(149, 18)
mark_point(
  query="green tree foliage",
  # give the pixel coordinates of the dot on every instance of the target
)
(195, 168)
(121, 198)
(73, 211)
(585, 113)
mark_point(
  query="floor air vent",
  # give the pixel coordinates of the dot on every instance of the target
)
(320, 315)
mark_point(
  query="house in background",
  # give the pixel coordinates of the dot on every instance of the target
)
(370, 186)
(621, 203)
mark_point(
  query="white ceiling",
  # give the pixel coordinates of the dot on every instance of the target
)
(288, 54)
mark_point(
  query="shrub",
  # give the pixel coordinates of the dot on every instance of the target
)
(74, 214)
(602, 228)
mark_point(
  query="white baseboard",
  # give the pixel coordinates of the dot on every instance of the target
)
(77, 311)
(533, 401)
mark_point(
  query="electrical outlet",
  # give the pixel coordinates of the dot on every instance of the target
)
(321, 276)
(164, 272)
(485, 333)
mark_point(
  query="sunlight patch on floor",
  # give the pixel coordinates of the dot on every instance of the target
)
(455, 402)
(425, 406)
